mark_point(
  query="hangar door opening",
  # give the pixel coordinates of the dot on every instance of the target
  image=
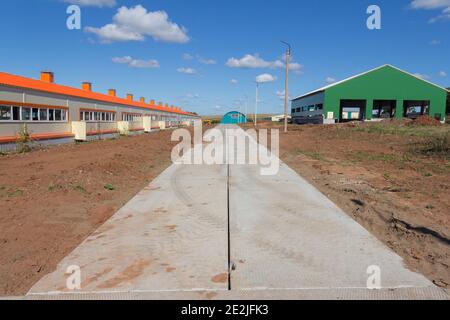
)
(352, 110)
(415, 109)
(384, 109)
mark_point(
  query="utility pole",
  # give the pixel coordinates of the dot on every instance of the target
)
(286, 90)
(256, 103)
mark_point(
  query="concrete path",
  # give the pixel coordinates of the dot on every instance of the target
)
(283, 239)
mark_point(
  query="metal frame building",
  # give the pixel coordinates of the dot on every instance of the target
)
(54, 112)
(234, 117)
(384, 92)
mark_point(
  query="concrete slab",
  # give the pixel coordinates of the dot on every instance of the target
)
(285, 234)
(427, 293)
(171, 236)
(287, 241)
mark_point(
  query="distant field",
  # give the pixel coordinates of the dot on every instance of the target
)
(250, 117)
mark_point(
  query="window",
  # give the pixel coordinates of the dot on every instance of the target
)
(5, 113)
(43, 114)
(16, 113)
(58, 115)
(319, 106)
(92, 116)
(131, 117)
(35, 114)
(26, 114)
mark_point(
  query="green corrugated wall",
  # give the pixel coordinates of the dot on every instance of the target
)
(386, 83)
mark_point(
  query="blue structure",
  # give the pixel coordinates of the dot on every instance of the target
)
(234, 117)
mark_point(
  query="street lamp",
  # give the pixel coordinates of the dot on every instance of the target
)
(286, 90)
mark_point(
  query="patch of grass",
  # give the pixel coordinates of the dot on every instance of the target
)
(313, 155)
(400, 130)
(387, 176)
(16, 193)
(54, 187)
(438, 145)
(361, 156)
(109, 187)
(427, 174)
(79, 188)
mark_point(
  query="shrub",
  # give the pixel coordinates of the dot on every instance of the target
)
(109, 187)
(23, 140)
(437, 145)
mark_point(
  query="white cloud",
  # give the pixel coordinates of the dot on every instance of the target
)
(443, 74)
(234, 81)
(422, 76)
(136, 23)
(266, 77)
(296, 67)
(330, 80)
(256, 62)
(188, 56)
(190, 71)
(443, 17)
(93, 3)
(136, 63)
(293, 66)
(435, 42)
(193, 96)
(112, 33)
(206, 61)
(281, 94)
(434, 5)
(430, 4)
(248, 62)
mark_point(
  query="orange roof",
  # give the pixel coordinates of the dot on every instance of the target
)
(22, 82)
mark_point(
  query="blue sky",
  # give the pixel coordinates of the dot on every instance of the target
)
(187, 53)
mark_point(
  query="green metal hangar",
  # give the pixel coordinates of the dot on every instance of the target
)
(381, 93)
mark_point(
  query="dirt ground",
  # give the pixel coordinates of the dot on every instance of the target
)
(52, 199)
(393, 178)
(380, 174)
